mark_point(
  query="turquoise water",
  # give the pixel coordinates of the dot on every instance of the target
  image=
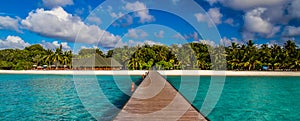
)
(249, 98)
(54, 97)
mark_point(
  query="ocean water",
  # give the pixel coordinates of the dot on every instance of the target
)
(56, 97)
(248, 98)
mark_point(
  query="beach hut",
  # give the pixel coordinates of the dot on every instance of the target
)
(95, 62)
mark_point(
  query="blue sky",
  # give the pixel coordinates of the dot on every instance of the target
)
(107, 24)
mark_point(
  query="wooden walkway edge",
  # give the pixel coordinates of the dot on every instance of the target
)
(156, 99)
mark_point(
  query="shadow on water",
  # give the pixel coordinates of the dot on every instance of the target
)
(116, 96)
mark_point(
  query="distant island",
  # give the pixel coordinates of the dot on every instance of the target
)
(189, 56)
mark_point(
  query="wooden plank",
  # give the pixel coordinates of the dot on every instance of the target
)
(157, 100)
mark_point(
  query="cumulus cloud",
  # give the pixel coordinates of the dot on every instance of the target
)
(148, 42)
(57, 3)
(230, 22)
(122, 20)
(136, 33)
(141, 11)
(57, 23)
(55, 44)
(193, 36)
(13, 42)
(212, 2)
(178, 36)
(250, 4)
(254, 23)
(295, 8)
(214, 15)
(94, 19)
(290, 31)
(85, 47)
(227, 41)
(159, 34)
(207, 42)
(9, 23)
(200, 17)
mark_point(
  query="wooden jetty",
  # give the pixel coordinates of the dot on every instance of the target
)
(156, 99)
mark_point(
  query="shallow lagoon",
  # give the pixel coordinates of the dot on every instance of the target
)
(250, 98)
(54, 97)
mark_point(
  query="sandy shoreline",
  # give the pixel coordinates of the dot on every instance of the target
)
(165, 72)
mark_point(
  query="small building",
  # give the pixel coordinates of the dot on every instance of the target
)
(95, 62)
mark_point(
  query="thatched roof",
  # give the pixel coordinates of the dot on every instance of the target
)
(95, 61)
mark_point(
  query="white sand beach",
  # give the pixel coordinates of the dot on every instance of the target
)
(162, 72)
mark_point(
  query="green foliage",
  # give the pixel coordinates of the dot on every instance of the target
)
(90, 51)
(15, 59)
(5, 65)
(205, 57)
(186, 56)
(110, 53)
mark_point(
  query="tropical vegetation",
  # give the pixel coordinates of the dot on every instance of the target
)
(249, 56)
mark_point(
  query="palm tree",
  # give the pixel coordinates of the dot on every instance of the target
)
(233, 56)
(276, 56)
(36, 59)
(134, 63)
(290, 53)
(265, 55)
(48, 57)
(67, 58)
(57, 57)
(218, 58)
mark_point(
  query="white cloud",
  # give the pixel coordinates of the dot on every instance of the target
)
(121, 19)
(150, 42)
(248, 35)
(178, 36)
(94, 19)
(295, 8)
(141, 11)
(254, 23)
(135, 43)
(230, 21)
(9, 23)
(291, 31)
(136, 34)
(211, 2)
(207, 42)
(160, 34)
(57, 23)
(225, 41)
(201, 17)
(14, 42)
(214, 15)
(228, 41)
(250, 4)
(55, 44)
(57, 3)
(124, 21)
(193, 36)
(274, 31)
